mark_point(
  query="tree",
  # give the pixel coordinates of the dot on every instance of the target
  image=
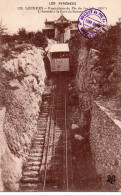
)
(39, 39)
(30, 37)
(22, 33)
(2, 28)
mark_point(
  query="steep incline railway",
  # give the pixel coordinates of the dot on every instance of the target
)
(56, 170)
(51, 169)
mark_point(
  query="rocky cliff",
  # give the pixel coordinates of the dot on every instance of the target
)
(23, 84)
(88, 78)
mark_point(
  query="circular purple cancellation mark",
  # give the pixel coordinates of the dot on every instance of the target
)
(91, 22)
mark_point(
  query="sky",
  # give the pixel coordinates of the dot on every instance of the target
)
(13, 18)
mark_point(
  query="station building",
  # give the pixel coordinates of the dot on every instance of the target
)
(61, 29)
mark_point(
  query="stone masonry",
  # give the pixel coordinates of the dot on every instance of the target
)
(105, 141)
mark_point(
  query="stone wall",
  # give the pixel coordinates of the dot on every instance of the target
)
(23, 83)
(105, 141)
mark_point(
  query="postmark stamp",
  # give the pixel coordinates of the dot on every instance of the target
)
(91, 22)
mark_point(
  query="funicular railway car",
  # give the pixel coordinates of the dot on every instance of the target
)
(59, 57)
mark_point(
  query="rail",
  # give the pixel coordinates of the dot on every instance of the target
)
(62, 83)
(66, 146)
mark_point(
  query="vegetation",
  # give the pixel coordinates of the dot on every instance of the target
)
(36, 38)
(22, 40)
(108, 43)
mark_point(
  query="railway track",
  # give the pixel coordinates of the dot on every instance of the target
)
(58, 168)
(49, 163)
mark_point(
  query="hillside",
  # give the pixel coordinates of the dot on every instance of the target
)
(106, 72)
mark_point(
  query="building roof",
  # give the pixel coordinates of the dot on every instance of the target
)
(59, 47)
(62, 19)
(74, 21)
(49, 22)
(59, 20)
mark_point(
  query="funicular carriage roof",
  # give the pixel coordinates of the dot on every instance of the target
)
(59, 47)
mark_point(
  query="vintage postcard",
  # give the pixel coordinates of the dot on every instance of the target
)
(60, 96)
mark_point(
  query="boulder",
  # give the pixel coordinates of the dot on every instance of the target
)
(79, 137)
(14, 84)
(74, 127)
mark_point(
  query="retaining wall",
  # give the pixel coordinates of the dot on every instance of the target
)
(105, 141)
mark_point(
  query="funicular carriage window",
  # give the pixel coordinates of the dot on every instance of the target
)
(60, 55)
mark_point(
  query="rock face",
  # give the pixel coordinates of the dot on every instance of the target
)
(23, 87)
(88, 78)
(3, 144)
(11, 170)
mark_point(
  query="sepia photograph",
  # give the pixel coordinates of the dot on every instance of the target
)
(60, 96)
